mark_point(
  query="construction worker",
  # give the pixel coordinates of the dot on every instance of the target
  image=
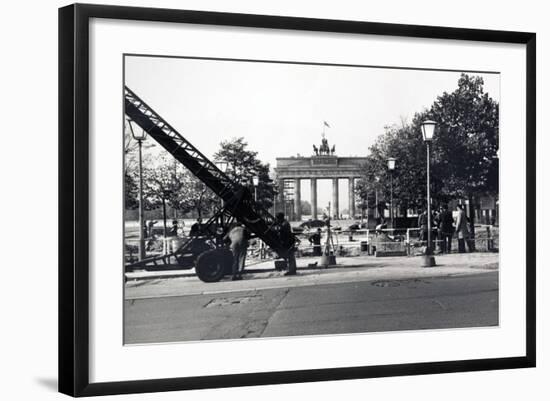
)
(239, 237)
(174, 230)
(288, 241)
(315, 240)
(196, 228)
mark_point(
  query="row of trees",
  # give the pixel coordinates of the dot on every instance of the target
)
(168, 184)
(464, 156)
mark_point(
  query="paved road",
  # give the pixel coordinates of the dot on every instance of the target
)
(352, 307)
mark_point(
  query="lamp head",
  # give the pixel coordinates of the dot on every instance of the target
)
(391, 163)
(138, 133)
(428, 129)
(222, 165)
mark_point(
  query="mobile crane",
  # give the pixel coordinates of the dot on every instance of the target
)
(212, 260)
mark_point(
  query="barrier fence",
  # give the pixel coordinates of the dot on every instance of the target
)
(347, 243)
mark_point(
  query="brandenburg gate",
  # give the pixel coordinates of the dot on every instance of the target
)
(323, 164)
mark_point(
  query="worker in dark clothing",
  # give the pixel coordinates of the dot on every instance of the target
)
(461, 228)
(446, 229)
(174, 230)
(288, 241)
(315, 240)
(239, 237)
(149, 228)
(195, 228)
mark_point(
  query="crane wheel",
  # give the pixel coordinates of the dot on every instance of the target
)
(212, 265)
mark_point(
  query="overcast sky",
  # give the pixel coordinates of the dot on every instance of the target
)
(280, 108)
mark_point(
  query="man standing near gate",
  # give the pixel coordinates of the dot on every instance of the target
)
(288, 241)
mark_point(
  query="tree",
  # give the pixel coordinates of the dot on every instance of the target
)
(201, 198)
(162, 181)
(168, 182)
(409, 177)
(130, 192)
(131, 179)
(243, 164)
(467, 142)
(464, 150)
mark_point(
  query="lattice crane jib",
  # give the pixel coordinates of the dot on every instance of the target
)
(238, 200)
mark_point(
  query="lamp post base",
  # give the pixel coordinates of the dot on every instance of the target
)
(327, 260)
(428, 261)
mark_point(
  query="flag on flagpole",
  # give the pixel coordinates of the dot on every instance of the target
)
(326, 124)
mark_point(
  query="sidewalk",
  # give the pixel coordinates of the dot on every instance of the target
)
(349, 269)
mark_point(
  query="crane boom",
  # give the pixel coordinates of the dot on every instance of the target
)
(237, 198)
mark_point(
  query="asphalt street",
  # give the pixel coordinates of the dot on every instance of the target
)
(469, 300)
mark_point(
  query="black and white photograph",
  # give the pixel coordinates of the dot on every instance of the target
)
(275, 200)
(271, 199)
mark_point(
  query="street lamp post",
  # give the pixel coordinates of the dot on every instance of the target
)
(428, 129)
(255, 181)
(376, 211)
(140, 135)
(222, 166)
(391, 167)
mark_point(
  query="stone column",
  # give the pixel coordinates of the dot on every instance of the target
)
(313, 198)
(351, 195)
(281, 197)
(335, 210)
(297, 200)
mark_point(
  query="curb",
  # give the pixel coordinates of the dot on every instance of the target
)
(253, 273)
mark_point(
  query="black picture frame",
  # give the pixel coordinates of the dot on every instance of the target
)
(74, 198)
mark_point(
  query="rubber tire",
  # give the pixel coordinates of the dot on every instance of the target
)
(212, 265)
